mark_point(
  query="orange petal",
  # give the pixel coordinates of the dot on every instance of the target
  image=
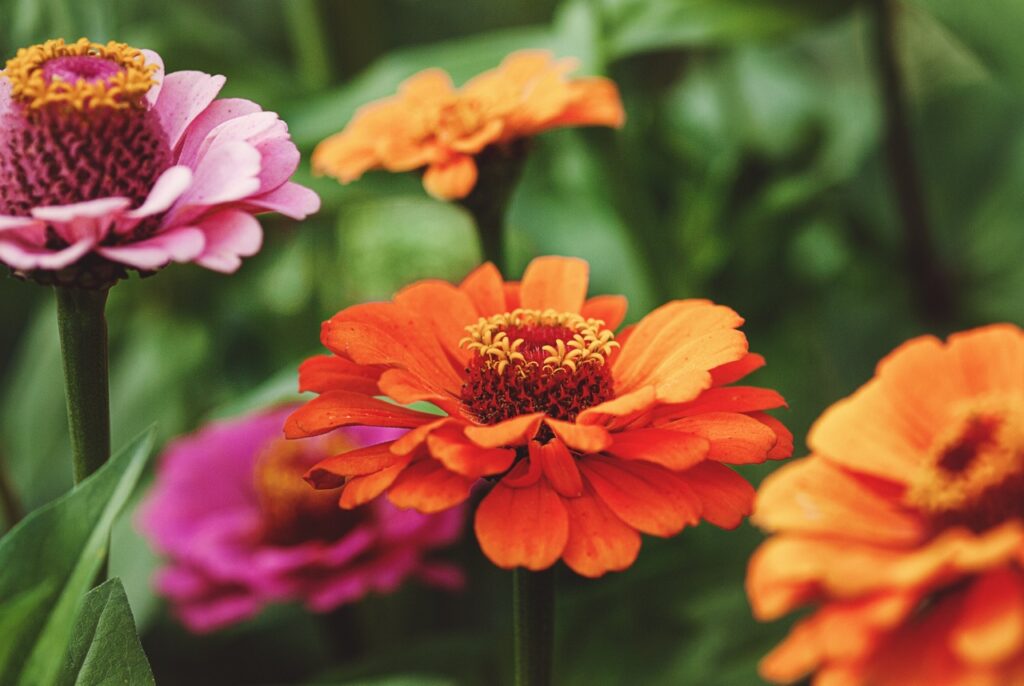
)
(559, 467)
(427, 486)
(731, 372)
(598, 541)
(429, 84)
(512, 300)
(452, 179)
(594, 102)
(324, 373)
(991, 626)
(515, 431)
(524, 473)
(815, 497)
(386, 334)
(645, 496)
(522, 527)
(671, 449)
(362, 489)
(611, 309)
(444, 309)
(557, 283)
(485, 288)
(332, 472)
(450, 446)
(990, 359)
(675, 347)
(586, 438)
(725, 496)
(342, 408)
(405, 388)
(734, 438)
(727, 399)
(783, 447)
(621, 406)
(415, 438)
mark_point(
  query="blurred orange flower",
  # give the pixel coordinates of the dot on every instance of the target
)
(432, 124)
(586, 437)
(904, 526)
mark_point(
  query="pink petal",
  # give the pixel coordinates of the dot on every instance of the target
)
(154, 92)
(184, 95)
(22, 255)
(230, 236)
(290, 199)
(227, 173)
(198, 132)
(279, 160)
(168, 188)
(89, 220)
(179, 245)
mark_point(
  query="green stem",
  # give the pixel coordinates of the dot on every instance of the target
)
(309, 43)
(83, 344)
(533, 601)
(499, 167)
(934, 291)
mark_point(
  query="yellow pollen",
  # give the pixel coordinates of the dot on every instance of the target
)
(590, 342)
(120, 90)
(981, 449)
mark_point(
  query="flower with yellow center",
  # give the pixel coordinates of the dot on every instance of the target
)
(905, 526)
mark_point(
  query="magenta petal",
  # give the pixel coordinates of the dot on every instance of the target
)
(183, 96)
(102, 208)
(176, 245)
(230, 236)
(290, 199)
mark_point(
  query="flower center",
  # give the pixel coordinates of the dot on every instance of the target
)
(293, 512)
(529, 361)
(80, 76)
(975, 472)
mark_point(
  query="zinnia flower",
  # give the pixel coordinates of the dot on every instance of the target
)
(242, 529)
(587, 438)
(108, 163)
(903, 528)
(431, 124)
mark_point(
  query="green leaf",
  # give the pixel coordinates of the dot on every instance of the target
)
(991, 32)
(51, 559)
(640, 26)
(105, 648)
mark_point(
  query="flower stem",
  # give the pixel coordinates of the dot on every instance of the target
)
(533, 601)
(499, 169)
(931, 282)
(83, 344)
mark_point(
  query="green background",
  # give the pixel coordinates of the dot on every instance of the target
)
(752, 170)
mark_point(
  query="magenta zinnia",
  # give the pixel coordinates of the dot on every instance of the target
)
(107, 163)
(256, 533)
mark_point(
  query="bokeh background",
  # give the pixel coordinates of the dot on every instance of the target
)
(754, 170)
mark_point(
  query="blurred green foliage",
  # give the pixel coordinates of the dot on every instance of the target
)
(751, 171)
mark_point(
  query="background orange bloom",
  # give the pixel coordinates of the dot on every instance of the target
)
(432, 124)
(587, 439)
(904, 526)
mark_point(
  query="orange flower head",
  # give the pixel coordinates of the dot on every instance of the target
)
(904, 527)
(432, 124)
(586, 438)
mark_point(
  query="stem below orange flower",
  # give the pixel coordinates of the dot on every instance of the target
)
(499, 167)
(533, 601)
(83, 344)
(934, 291)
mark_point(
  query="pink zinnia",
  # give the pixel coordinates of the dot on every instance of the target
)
(241, 528)
(107, 163)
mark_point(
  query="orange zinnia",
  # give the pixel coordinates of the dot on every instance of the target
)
(587, 437)
(434, 125)
(904, 525)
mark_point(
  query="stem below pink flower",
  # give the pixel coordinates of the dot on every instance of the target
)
(533, 601)
(83, 344)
